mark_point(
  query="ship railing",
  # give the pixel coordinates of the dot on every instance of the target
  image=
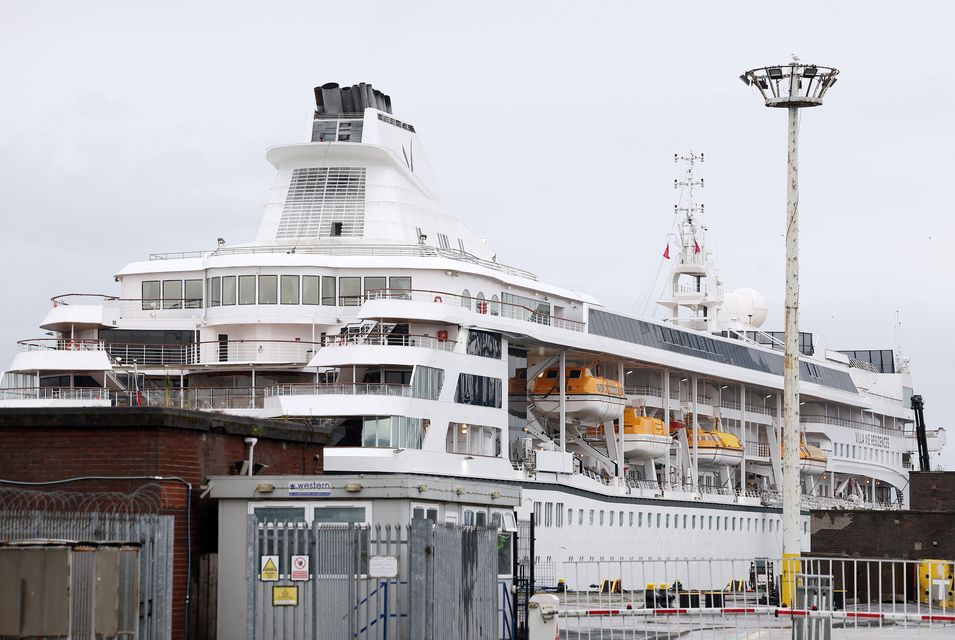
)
(644, 391)
(392, 340)
(340, 389)
(882, 396)
(81, 298)
(55, 393)
(742, 595)
(759, 408)
(716, 491)
(213, 352)
(852, 424)
(590, 473)
(196, 398)
(478, 305)
(59, 344)
(362, 250)
(730, 404)
(757, 449)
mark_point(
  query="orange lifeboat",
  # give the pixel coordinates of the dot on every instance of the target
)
(643, 438)
(715, 448)
(588, 397)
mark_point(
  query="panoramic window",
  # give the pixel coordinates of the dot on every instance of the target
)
(473, 439)
(215, 291)
(397, 284)
(193, 294)
(172, 294)
(375, 284)
(246, 289)
(152, 292)
(484, 343)
(328, 291)
(228, 290)
(349, 292)
(427, 382)
(289, 293)
(396, 432)
(311, 293)
(268, 290)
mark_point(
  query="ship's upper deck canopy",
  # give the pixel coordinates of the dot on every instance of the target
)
(362, 178)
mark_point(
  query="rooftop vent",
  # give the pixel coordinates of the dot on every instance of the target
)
(331, 99)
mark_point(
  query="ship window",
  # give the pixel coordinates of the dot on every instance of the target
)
(246, 289)
(152, 292)
(666, 522)
(268, 289)
(495, 305)
(631, 518)
(193, 294)
(717, 523)
(476, 390)
(429, 513)
(398, 432)
(693, 522)
(684, 521)
(726, 521)
(640, 519)
(427, 382)
(574, 374)
(349, 292)
(601, 517)
(611, 518)
(552, 374)
(570, 517)
(537, 513)
(473, 439)
(399, 283)
(559, 515)
(658, 521)
(328, 291)
(215, 291)
(290, 289)
(734, 524)
(591, 517)
(580, 517)
(620, 518)
(375, 283)
(228, 290)
(310, 289)
(548, 513)
(466, 299)
(172, 294)
(484, 343)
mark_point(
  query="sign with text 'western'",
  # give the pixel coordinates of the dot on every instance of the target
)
(269, 569)
(309, 488)
(299, 569)
(284, 596)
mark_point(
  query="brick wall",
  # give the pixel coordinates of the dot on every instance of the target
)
(932, 490)
(907, 535)
(45, 445)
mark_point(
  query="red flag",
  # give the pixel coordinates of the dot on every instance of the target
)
(666, 252)
(696, 247)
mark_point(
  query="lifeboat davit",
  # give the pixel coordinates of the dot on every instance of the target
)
(644, 438)
(715, 448)
(588, 397)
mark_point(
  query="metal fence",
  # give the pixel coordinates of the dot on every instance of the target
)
(717, 598)
(153, 532)
(334, 581)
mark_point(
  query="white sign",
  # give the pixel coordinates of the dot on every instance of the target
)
(383, 566)
(310, 488)
(299, 568)
(269, 569)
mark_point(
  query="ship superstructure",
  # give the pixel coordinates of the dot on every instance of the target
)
(367, 310)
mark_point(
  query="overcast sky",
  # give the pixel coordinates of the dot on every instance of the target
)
(130, 127)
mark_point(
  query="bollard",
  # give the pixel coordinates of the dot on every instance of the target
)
(542, 617)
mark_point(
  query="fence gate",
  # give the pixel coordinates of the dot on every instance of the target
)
(329, 581)
(153, 532)
(523, 575)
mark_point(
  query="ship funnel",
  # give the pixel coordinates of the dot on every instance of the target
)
(334, 100)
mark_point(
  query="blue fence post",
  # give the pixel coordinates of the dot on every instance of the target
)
(386, 620)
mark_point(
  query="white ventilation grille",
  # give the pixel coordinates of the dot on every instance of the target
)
(318, 197)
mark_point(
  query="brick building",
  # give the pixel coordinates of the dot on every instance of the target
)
(121, 445)
(923, 532)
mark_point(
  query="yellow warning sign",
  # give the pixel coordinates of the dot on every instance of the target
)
(269, 571)
(284, 596)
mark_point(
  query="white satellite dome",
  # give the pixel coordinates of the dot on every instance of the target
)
(745, 306)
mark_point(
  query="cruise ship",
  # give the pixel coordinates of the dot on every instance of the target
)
(366, 309)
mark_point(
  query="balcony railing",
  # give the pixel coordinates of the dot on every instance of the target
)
(414, 250)
(377, 339)
(852, 424)
(481, 306)
(757, 449)
(59, 344)
(340, 389)
(759, 408)
(55, 393)
(213, 352)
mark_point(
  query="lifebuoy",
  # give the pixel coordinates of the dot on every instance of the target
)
(437, 299)
(72, 345)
